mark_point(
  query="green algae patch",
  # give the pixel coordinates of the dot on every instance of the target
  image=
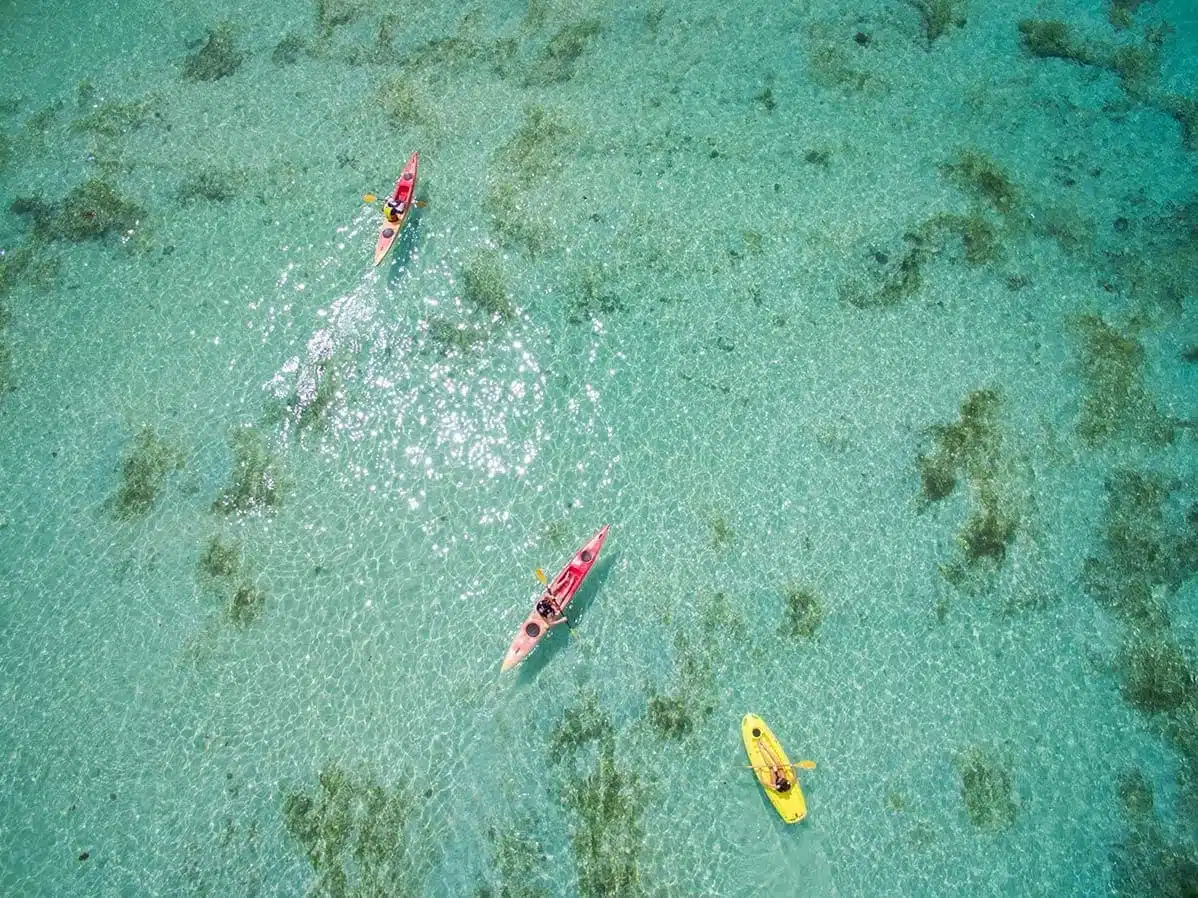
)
(289, 50)
(1148, 861)
(14, 265)
(217, 57)
(220, 559)
(890, 273)
(1136, 65)
(559, 61)
(680, 710)
(938, 16)
(895, 800)
(591, 298)
(989, 529)
(514, 220)
(829, 66)
(520, 863)
(404, 102)
(606, 836)
(556, 534)
(485, 287)
(1120, 12)
(331, 14)
(1184, 110)
(981, 177)
(1149, 550)
(969, 446)
(115, 119)
(722, 534)
(534, 150)
(987, 789)
(1115, 401)
(354, 831)
(583, 723)
(979, 237)
(144, 471)
(804, 612)
(1050, 39)
(94, 209)
(450, 339)
(679, 713)
(603, 800)
(8, 381)
(318, 386)
(671, 715)
(1156, 675)
(221, 568)
(246, 605)
(719, 622)
(211, 185)
(257, 482)
(1135, 795)
(970, 449)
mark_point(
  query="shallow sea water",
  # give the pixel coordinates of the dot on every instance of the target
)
(691, 219)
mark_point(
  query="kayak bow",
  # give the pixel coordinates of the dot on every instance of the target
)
(559, 591)
(405, 190)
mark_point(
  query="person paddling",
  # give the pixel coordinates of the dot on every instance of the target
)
(393, 210)
(397, 206)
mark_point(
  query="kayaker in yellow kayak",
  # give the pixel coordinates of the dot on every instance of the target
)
(775, 772)
(778, 773)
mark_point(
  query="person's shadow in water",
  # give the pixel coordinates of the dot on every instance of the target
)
(559, 637)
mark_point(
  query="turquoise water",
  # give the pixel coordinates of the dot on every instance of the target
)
(737, 280)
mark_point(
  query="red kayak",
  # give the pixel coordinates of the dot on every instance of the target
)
(548, 611)
(396, 209)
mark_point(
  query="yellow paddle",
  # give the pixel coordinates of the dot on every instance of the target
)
(802, 765)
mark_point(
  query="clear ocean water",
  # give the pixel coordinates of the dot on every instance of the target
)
(871, 330)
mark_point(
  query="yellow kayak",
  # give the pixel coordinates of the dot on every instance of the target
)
(773, 769)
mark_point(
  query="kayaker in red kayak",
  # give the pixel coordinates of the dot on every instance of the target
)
(550, 607)
(397, 205)
(393, 209)
(396, 209)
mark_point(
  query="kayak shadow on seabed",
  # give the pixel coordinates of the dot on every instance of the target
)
(576, 612)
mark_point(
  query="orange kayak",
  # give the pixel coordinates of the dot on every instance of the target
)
(548, 611)
(405, 191)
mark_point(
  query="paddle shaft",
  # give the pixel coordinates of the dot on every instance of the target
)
(802, 765)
